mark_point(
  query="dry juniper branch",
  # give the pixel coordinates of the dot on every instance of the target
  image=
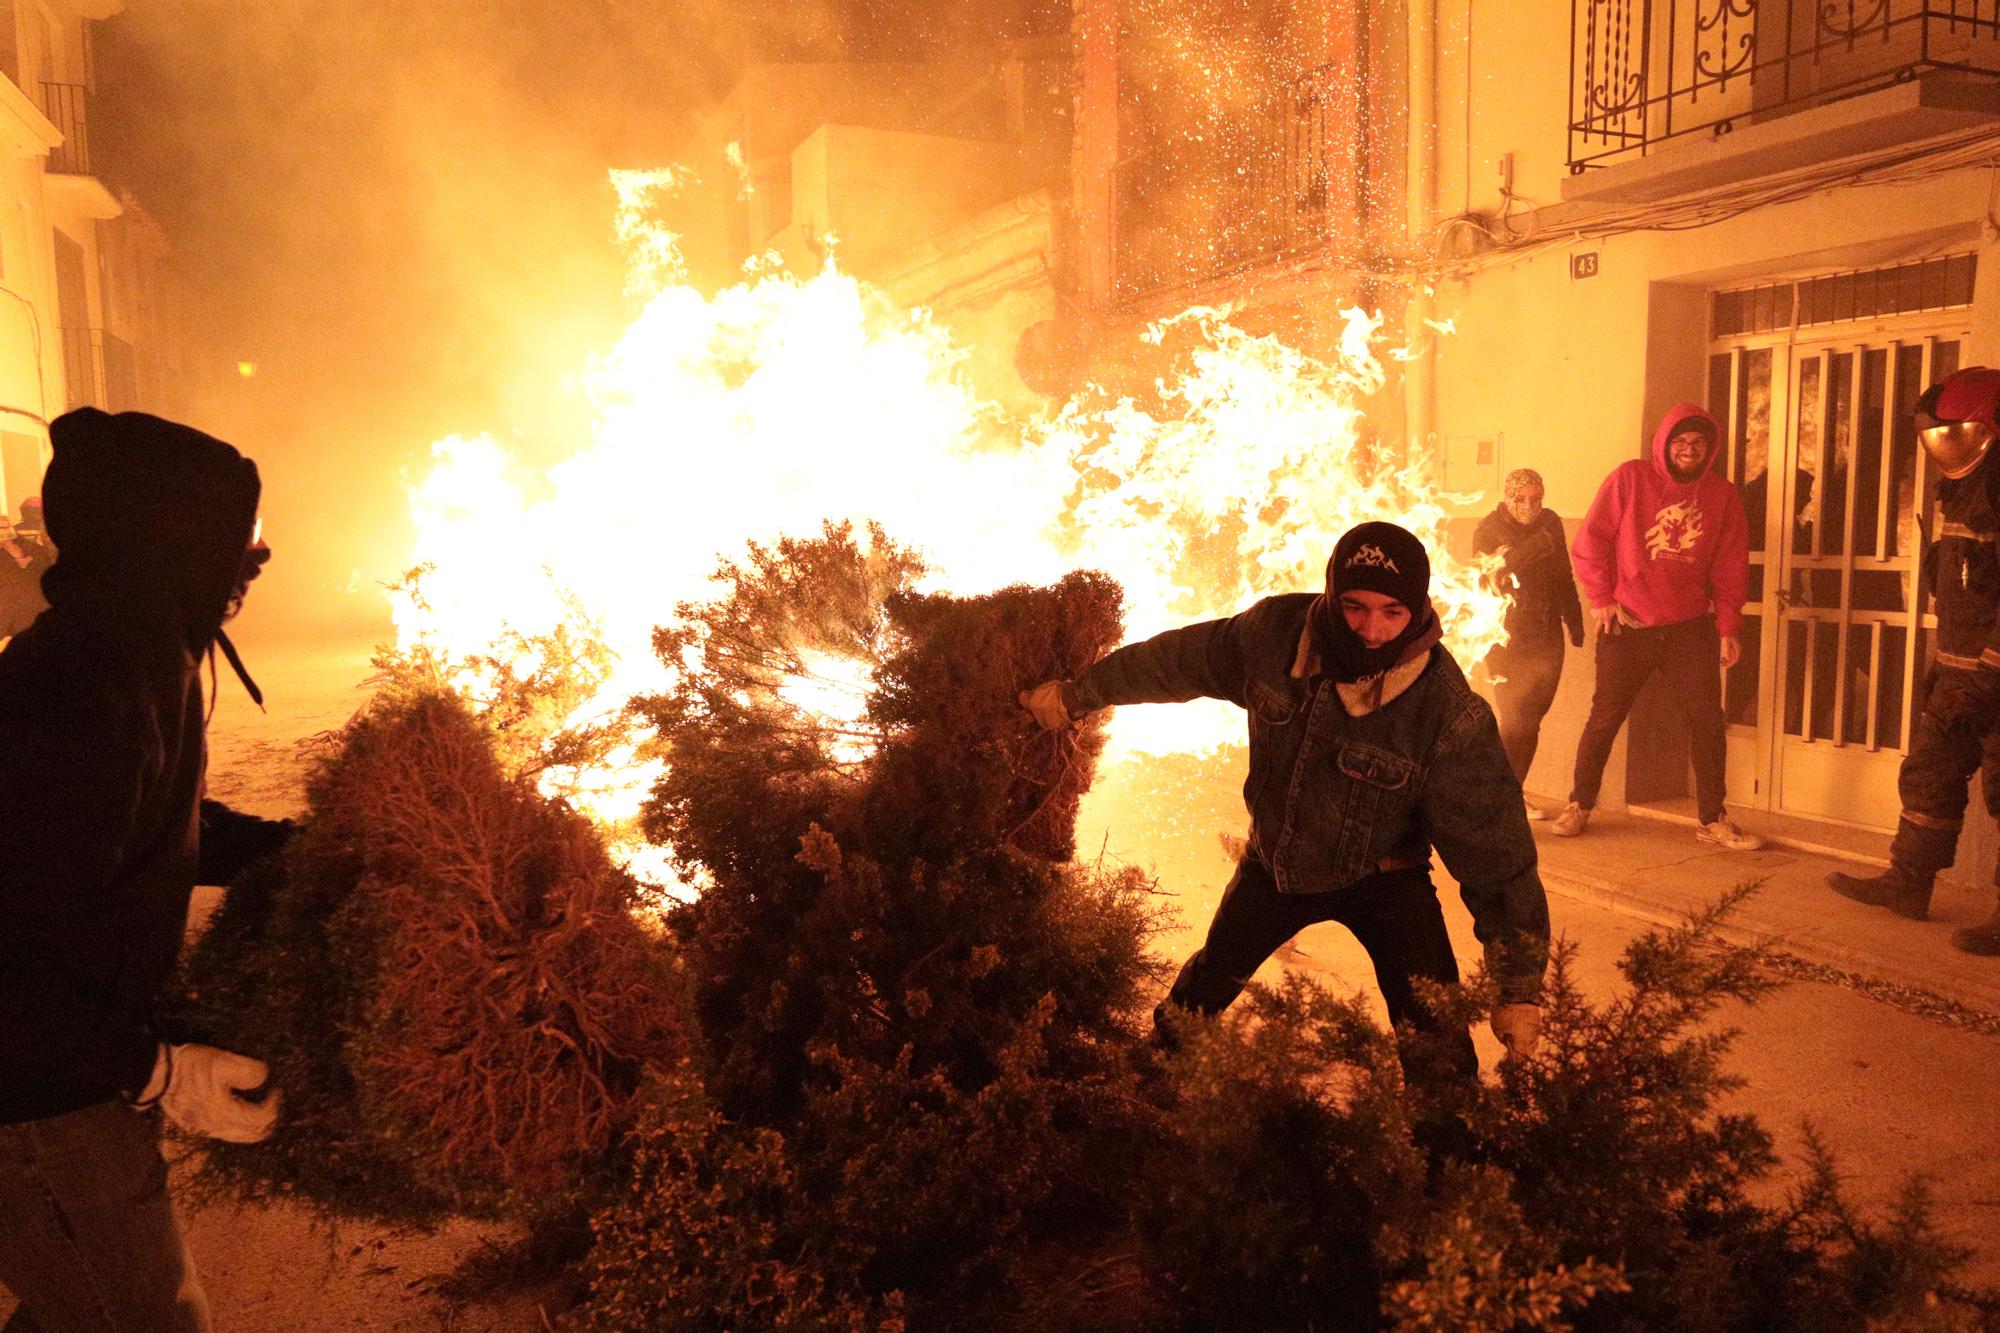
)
(1597, 1186)
(460, 1006)
(915, 1013)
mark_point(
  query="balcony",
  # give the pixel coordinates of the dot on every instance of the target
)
(64, 104)
(1648, 73)
(1284, 178)
(100, 369)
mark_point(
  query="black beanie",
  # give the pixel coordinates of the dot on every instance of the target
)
(1381, 557)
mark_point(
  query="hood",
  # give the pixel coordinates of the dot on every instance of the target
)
(1676, 416)
(150, 520)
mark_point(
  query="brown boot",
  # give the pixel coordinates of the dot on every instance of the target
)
(1904, 892)
(1982, 939)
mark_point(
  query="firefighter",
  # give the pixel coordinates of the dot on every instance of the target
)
(1955, 422)
(1367, 750)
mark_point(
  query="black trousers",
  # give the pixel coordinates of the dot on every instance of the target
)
(1689, 656)
(1394, 914)
(1957, 735)
(1529, 674)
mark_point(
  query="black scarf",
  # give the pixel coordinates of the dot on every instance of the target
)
(1346, 658)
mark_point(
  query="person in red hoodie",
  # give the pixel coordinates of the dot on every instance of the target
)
(1663, 557)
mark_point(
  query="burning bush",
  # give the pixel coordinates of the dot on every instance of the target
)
(446, 978)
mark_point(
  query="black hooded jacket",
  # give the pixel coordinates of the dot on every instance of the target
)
(1537, 561)
(102, 752)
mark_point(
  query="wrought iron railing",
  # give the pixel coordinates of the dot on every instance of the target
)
(1646, 71)
(1284, 178)
(64, 104)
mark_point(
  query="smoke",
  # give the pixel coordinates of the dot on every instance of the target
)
(399, 215)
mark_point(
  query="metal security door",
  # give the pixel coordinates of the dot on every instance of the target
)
(1841, 642)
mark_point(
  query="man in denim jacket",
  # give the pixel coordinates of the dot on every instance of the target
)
(1367, 750)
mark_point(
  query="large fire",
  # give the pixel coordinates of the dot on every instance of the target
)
(784, 402)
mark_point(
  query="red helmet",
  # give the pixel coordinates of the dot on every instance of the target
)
(1955, 419)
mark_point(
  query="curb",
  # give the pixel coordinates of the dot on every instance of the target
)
(1867, 964)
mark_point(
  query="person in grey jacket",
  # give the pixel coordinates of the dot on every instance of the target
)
(1367, 751)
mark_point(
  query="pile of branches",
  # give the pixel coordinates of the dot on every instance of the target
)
(915, 1008)
(446, 976)
(890, 1068)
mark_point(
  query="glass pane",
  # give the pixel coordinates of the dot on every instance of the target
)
(1903, 539)
(1861, 673)
(1889, 689)
(1739, 685)
(1718, 407)
(1727, 318)
(1959, 283)
(1753, 434)
(1910, 287)
(1795, 676)
(1806, 498)
(1879, 590)
(1868, 451)
(1825, 672)
(1835, 469)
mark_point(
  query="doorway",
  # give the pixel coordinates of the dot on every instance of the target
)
(1836, 639)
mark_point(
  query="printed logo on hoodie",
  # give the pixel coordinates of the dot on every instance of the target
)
(1676, 528)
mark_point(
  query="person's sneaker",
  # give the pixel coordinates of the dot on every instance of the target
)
(1572, 821)
(1724, 834)
(1534, 811)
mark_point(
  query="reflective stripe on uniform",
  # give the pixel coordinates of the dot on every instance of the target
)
(1960, 530)
(1933, 822)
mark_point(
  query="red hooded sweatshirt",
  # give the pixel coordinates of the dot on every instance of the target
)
(1666, 550)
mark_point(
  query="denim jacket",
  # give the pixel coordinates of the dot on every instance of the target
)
(1333, 798)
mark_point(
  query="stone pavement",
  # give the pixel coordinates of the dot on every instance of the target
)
(1651, 867)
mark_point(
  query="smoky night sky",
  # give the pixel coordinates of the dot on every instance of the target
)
(399, 213)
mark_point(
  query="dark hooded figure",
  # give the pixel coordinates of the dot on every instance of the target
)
(103, 834)
(1367, 751)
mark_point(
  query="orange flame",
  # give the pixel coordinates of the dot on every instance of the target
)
(783, 402)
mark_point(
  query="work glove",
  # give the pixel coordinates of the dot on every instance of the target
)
(1519, 1028)
(207, 1091)
(1045, 701)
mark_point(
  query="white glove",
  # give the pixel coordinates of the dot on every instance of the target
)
(1045, 701)
(1519, 1028)
(205, 1091)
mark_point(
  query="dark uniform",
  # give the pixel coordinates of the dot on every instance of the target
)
(1529, 665)
(1958, 732)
